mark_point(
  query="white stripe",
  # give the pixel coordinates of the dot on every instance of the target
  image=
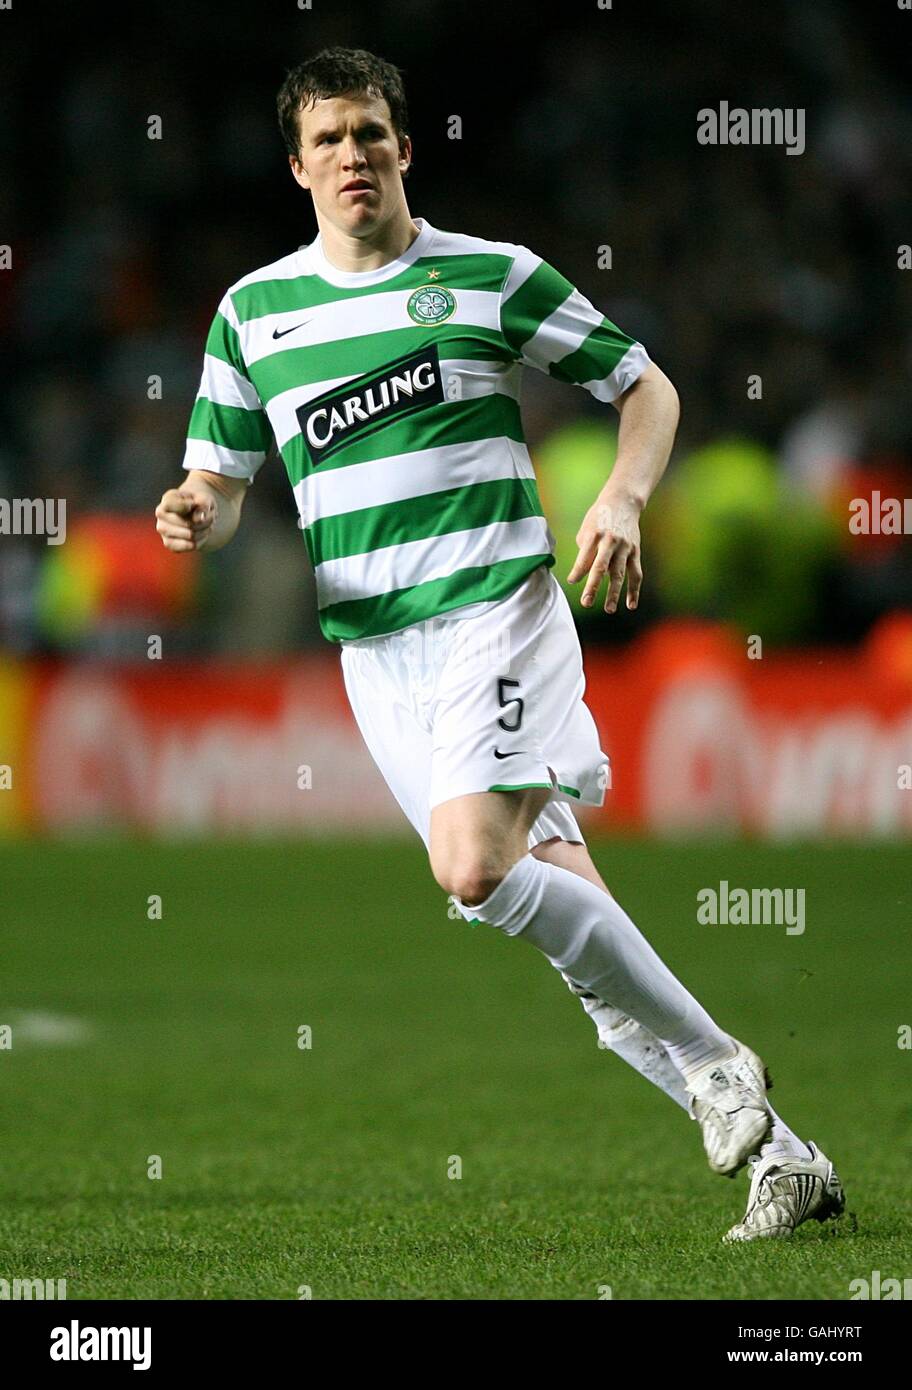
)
(419, 562)
(226, 309)
(562, 332)
(215, 458)
(463, 379)
(525, 263)
(420, 246)
(628, 370)
(223, 385)
(299, 263)
(464, 244)
(336, 491)
(358, 317)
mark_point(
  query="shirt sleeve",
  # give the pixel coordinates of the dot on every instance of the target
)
(229, 430)
(549, 325)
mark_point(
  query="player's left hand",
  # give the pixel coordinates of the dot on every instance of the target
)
(609, 543)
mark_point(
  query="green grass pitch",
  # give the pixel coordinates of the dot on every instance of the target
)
(327, 1167)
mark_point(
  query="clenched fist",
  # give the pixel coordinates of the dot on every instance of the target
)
(184, 519)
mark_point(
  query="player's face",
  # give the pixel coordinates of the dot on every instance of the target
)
(351, 162)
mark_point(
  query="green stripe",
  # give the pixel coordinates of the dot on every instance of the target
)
(371, 617)
(521, 786)
(224, 343)
(466, 270)
(451, 422)
(485, 271)
(292, 367)
(229, 425)
(516, 786)
(596, 357)
(417, 518)
(536, 299)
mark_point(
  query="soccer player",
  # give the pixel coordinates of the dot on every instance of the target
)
(385, 358)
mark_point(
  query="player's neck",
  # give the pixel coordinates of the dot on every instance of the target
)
(349, 253)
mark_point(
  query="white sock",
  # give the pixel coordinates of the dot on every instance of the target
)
(644, 1052)
(640, 1049)
(635, 1044)
(783, 1142)
(587, 935)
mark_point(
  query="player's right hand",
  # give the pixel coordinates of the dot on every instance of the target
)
(184, 519)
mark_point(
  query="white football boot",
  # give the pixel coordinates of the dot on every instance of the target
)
(729, 1101)
(785, 1191)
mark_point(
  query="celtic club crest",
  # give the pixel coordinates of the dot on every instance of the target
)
(432, 304)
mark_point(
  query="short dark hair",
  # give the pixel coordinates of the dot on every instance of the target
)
(336, 72)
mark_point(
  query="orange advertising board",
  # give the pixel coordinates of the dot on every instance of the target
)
(703, 738)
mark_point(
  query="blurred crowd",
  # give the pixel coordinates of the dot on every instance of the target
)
(732, 265)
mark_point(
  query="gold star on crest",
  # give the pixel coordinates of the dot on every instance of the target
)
(433, 274)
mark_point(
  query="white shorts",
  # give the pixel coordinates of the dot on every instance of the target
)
(492, 701)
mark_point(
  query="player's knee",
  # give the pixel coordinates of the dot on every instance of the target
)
(470, 880)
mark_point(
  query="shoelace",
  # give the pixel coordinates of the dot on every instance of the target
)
(764, 1194)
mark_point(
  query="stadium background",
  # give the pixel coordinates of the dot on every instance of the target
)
(179, 777)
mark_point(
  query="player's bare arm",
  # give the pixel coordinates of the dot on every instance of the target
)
(609, 538)
(202, 514)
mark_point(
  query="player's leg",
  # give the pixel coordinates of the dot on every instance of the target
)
(383, 703)
(517, 722)
(629, 1039)
(477, 839)
(381, 692)
(477, 848)
(376, 682)
(585, 933)
(617, 1032)
(791, 1182)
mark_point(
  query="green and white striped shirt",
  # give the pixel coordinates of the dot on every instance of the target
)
(393, 395)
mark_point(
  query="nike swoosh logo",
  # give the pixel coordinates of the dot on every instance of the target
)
(498, 754)
(280, 332)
